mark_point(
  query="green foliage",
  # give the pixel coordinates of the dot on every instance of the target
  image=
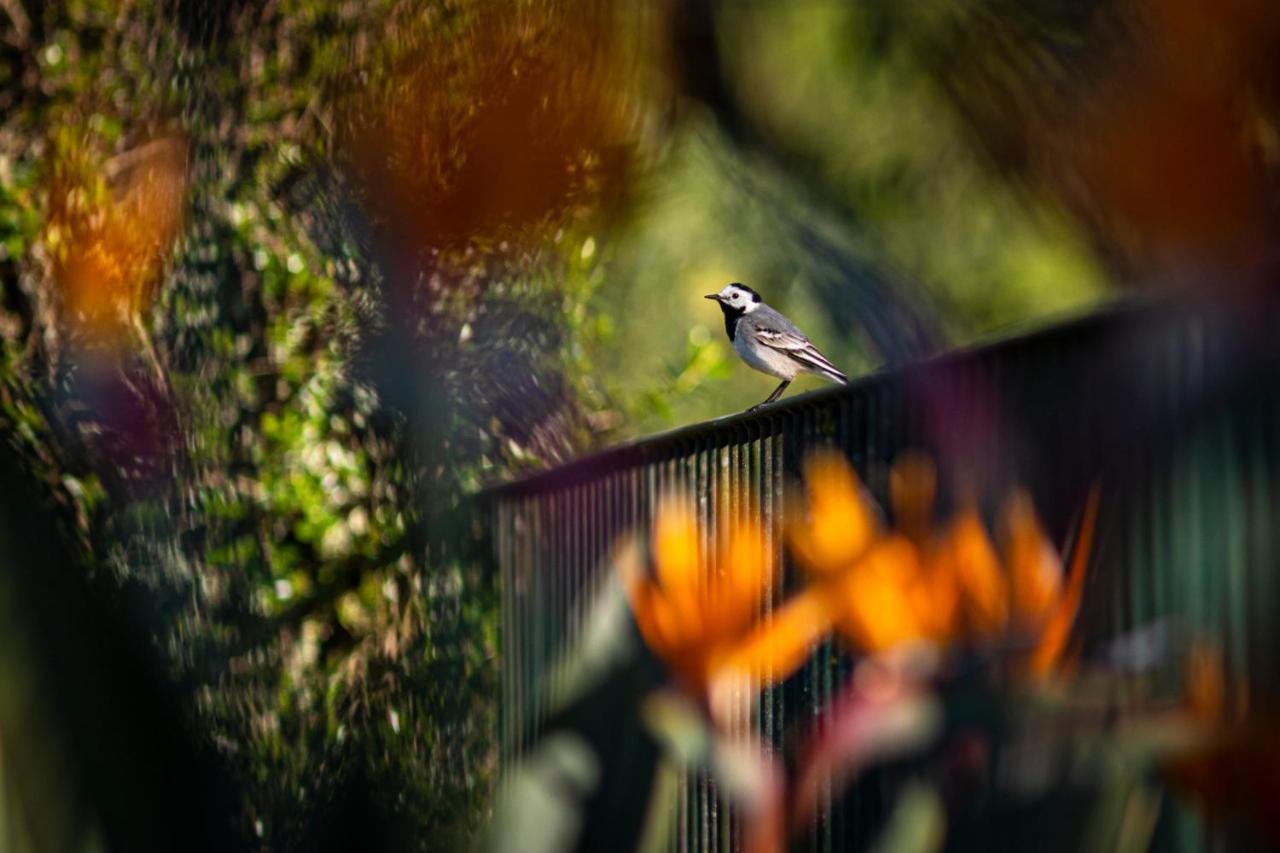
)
(321, 598)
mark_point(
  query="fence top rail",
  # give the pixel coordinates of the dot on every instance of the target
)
(742, 426)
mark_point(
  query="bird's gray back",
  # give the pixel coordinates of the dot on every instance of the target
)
(765, 317)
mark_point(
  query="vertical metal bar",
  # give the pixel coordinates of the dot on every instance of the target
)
(552, 613)
(528, 623)
(584, 516)
(695, 464)
(556, 612)
(743, 492)
(546, 585)
(584, 524)
(523, 630)
(601, 531)
(572, 578)
(517, 645)
(503, 541)
(511, 643)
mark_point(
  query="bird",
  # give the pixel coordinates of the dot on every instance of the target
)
(769, 342)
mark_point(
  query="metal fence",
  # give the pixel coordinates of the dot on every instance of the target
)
(1176, 414)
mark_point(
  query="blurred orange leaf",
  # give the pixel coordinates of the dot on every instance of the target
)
(505, 123)
(109, 227)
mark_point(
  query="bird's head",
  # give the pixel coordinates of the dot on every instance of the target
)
(736, 298)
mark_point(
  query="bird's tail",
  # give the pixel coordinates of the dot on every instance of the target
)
(834, 375)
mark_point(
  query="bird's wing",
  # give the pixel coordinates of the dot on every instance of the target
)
(795, 345)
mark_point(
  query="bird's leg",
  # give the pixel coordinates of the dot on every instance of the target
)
(777, 392)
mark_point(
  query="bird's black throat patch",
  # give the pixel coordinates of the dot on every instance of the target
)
(731, 317)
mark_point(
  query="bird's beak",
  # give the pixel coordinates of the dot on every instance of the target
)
(714, 296)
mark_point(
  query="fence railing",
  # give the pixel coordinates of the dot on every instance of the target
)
(1175, 414)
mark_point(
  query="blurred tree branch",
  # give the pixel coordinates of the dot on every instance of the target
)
(21, 23)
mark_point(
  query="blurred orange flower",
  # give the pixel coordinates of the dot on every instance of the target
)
(880, 589)
(874, 586)
(918, 584)
(702, 616)
(891, 597)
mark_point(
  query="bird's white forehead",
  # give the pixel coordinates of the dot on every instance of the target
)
(740, 298)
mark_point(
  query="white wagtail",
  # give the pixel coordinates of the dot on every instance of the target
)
(768, 341)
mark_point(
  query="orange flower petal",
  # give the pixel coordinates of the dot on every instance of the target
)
(1053, 640)
(967, 554)
(841, 520)
(1035, 571)
(780, 644)
(935, 600)
(678, 566)
(877, 608)
(644, 598)
(745, 567)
